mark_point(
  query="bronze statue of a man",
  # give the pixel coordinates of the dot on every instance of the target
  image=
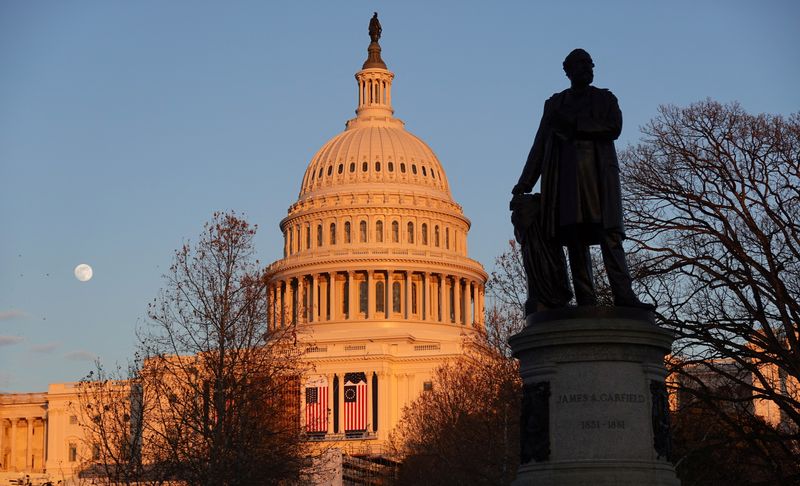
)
(574, 156)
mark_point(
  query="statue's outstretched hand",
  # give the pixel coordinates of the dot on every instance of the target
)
(521, 189)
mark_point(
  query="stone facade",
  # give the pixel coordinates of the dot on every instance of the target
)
(41, 435)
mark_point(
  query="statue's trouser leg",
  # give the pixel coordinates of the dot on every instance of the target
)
(580, 262)
(616, 268)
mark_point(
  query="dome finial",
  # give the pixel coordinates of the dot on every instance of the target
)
(374, 50)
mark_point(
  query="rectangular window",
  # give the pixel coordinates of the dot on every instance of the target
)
(95, 452)
(413, 298)
(362, 297)
(73, 419)
(73, 453)
(346, 298)
(396, 297)
(380, 296)
(452, 304)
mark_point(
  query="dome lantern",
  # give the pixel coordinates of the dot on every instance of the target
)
(374, 82)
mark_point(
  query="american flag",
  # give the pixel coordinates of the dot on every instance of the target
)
(317, 405)
(355, 402)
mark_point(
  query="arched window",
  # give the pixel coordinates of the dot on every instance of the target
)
(330, 170)
(424, 171)
(424, 234)
(436, 235)
(362, 297)
(380, 296)
(332, 236)
(319, 235)
(347, 232)
(391, 166)
(396, 297)
(447, 238)
(352, 166)
(410, 232)
(362, 232)
(379, 231)
(340, 169)
(414, 169)
(308, 236)
(291, 241)
(364, 167)
(403, 167)
(377, 166)
(395, 232)
(320, 172)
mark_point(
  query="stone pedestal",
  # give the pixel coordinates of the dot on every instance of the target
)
(595, 407)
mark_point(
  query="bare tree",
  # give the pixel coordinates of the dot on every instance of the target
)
(111, 411)
(465, 430)
(713, 201)
(217, 388)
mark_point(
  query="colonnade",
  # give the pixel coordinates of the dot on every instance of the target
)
(30, 457)
(376, 294)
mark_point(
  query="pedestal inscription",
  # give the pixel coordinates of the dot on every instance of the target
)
(599, 410)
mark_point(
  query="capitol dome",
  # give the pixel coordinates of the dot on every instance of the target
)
(381, 153)
(375, 273)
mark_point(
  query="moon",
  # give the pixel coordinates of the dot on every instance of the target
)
(83, 272)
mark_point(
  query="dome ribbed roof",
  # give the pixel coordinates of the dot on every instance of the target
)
(375, 153)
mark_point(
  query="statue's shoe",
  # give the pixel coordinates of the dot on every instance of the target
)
(635, 303)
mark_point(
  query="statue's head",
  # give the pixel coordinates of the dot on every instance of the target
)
(579, 67)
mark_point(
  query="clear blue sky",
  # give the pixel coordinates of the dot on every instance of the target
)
(124, 125)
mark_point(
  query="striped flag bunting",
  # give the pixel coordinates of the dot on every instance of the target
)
(317, 405)
(355, 402)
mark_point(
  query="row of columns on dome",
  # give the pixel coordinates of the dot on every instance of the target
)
(342, 404)
(22, 444)
(295, 236)
(376, 294)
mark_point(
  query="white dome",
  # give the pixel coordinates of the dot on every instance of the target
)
(375, 153)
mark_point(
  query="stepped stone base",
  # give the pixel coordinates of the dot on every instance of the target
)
(595, 406)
